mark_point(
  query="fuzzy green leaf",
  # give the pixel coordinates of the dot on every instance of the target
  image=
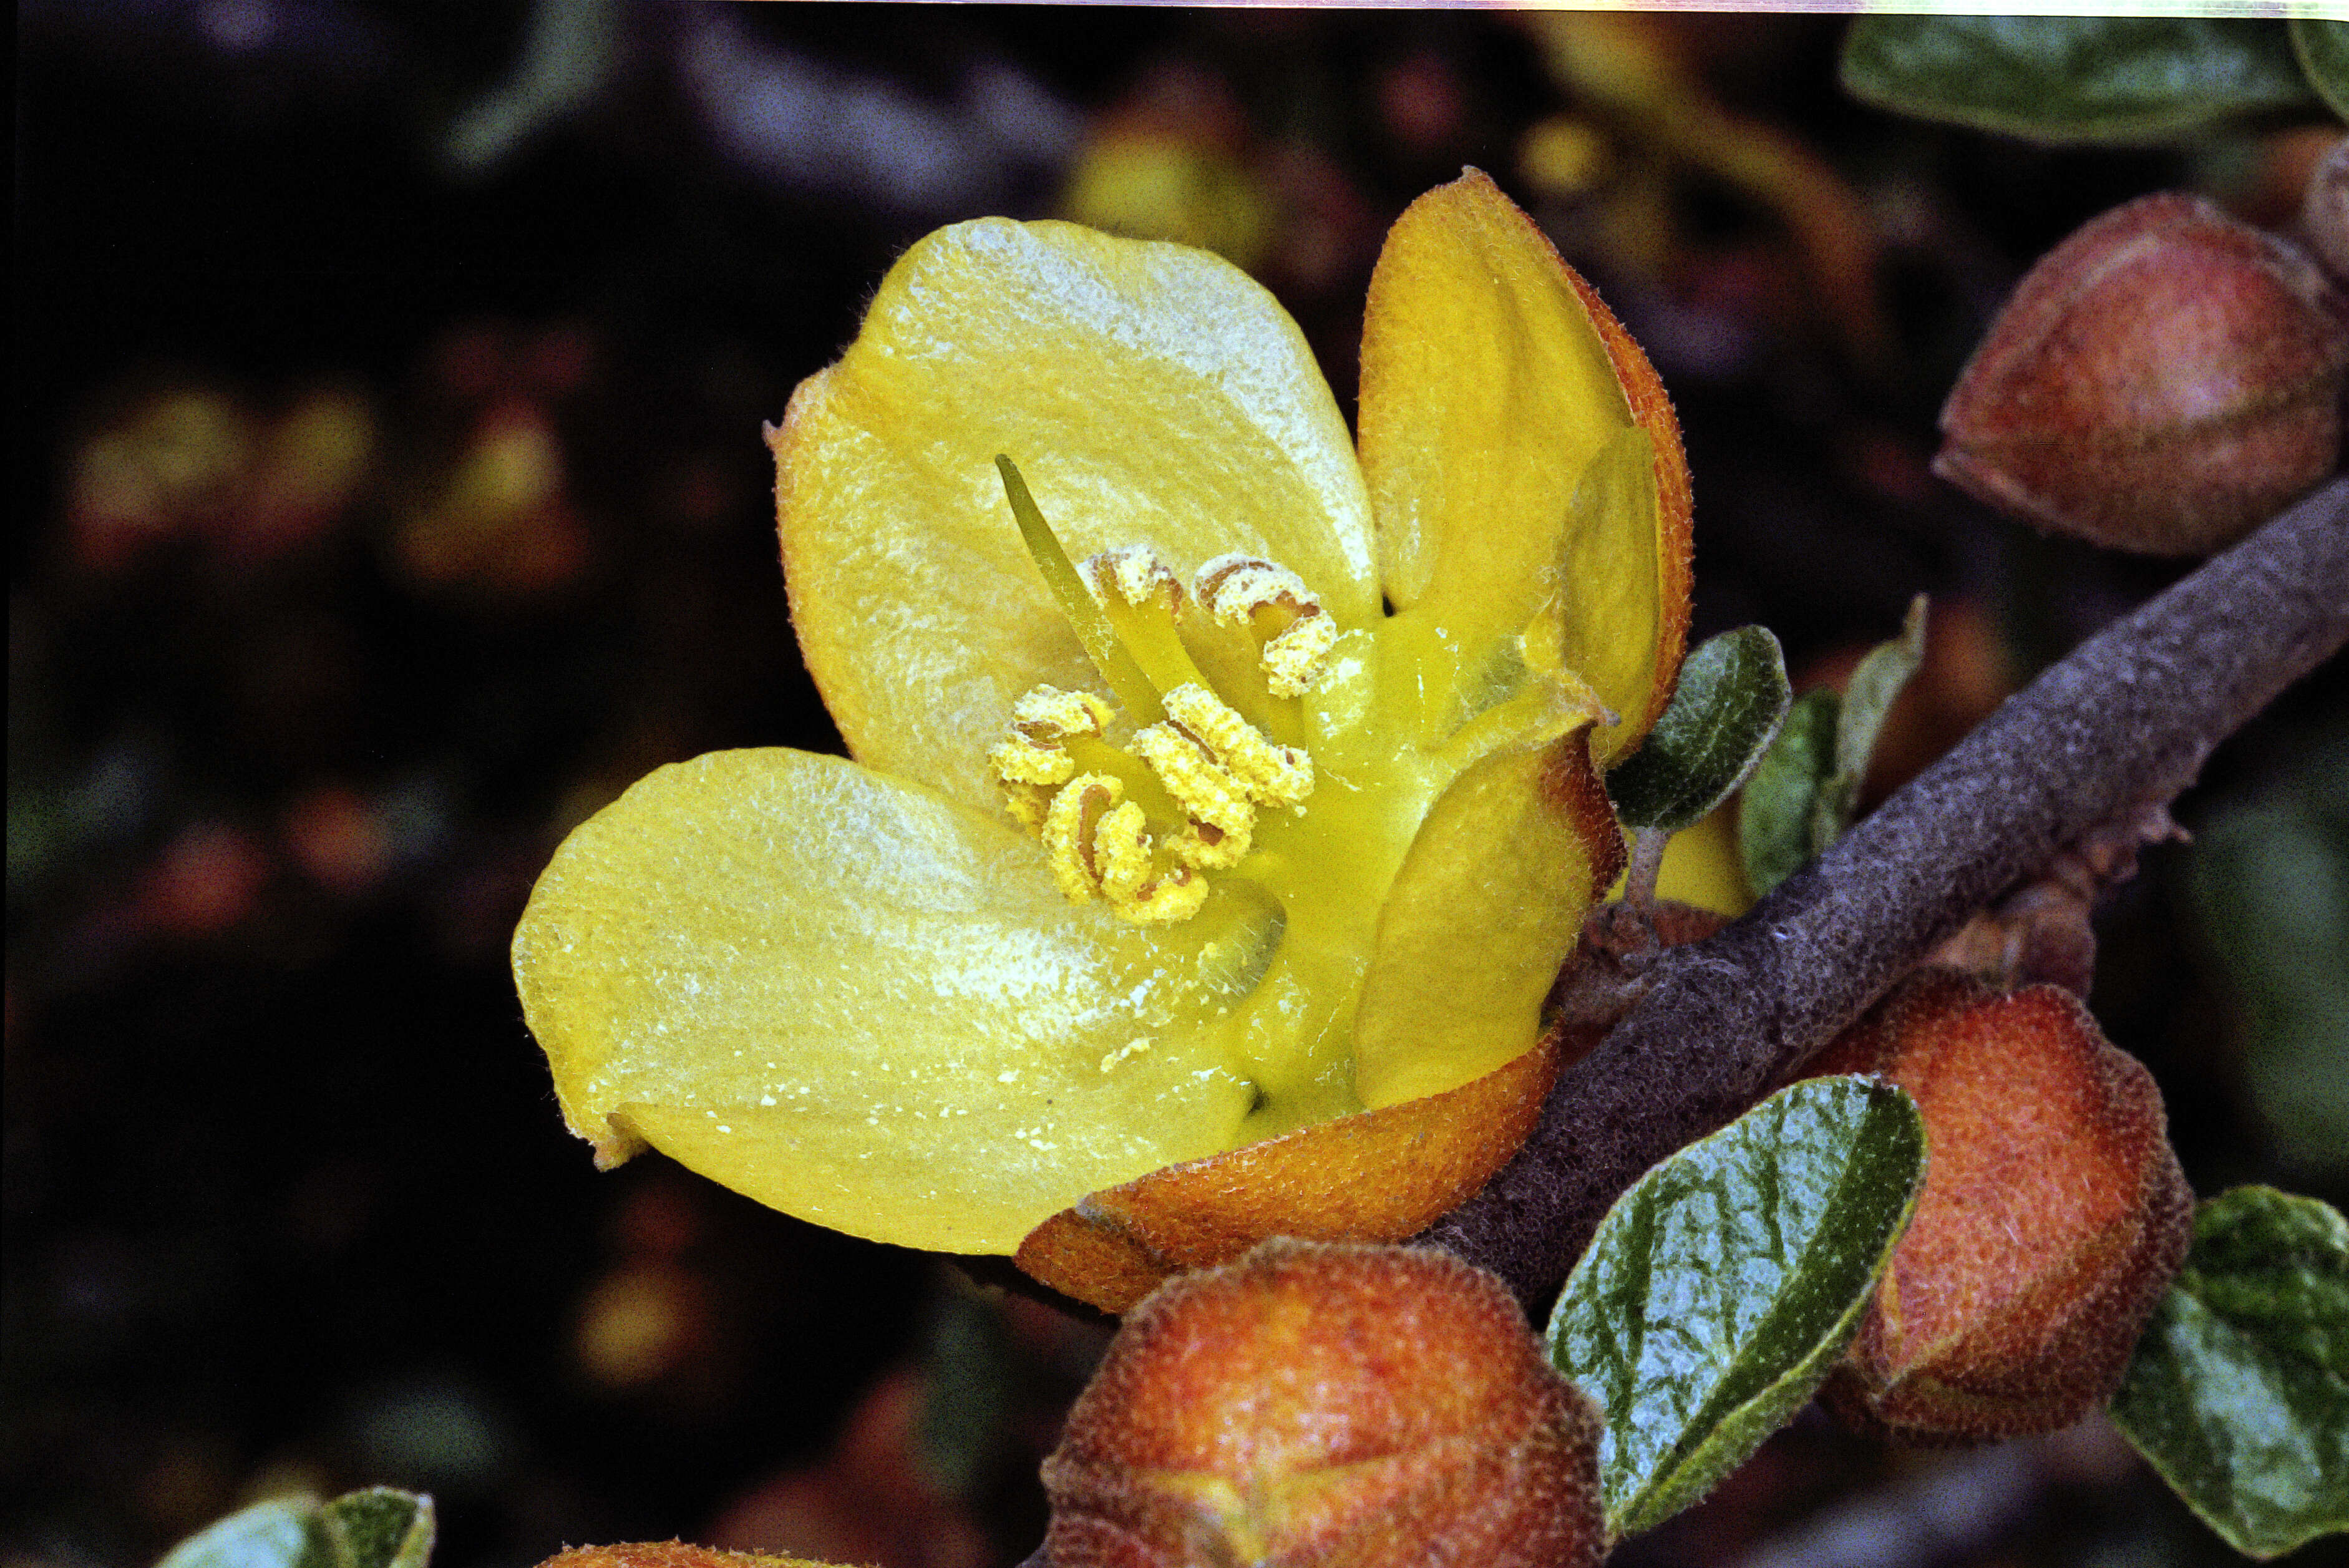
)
(1720, 1289)
(1776, 817)
(2074, 78)
(273, 1534)
(1867, 695)
(375, 1528)
(1732, 697)
(2238, 1392)
(2323, 51)
(1804, 792)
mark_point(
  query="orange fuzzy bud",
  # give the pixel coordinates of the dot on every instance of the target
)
(2053, 1214)
(669, 1554)
(1327, 1404)
(2161, 381)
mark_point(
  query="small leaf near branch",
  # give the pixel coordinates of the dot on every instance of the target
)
(2238, 1393)
(1867, 696)
(2322, 48)
(2074, 78)
(375, 1528)
(1720, 1289)
(1732, 697)
(1802, 794)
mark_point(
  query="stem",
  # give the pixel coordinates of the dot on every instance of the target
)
(2124, 720)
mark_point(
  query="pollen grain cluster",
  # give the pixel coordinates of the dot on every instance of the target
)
(1137, 821)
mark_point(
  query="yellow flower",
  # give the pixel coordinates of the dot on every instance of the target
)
(1196, 843)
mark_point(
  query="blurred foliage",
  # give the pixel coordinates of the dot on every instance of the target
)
(2272, 884)
(387, 459)
(2076, 79)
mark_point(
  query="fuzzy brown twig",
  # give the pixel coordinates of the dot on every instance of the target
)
(2124, 722)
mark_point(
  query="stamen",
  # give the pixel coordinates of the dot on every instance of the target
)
(1069, 833)
(1137, 575)
(1270, 775)
(1134, 692)
(1121, 851)
(1036, 750)
(1100, 843)
(1243, 590)
(1142, 597)
(1199, 783)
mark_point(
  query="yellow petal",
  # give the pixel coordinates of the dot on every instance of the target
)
(1610, 629)
(860, 1003)
(1485, 910)
(1491, 376)
(1148, 392)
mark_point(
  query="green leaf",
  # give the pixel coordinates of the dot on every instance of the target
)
(2270, 882)
(1720, 1289)
(275, 1535)
(1732, 697)
(2238, 1392)
(377, 1528)
(2322, 48)
(1867, 695)
(2074, 78)
(1775, 819)
(1802, 794)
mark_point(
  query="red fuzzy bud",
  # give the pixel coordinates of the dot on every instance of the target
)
(1327, 1404)
(2053, 1216)
(2161, 381)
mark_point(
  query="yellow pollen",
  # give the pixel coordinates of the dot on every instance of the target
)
(1268, 774)
(1128, 878)
(1207, 794)
(1068, 832)
(1035, 752)
(1134, 574)
(1242, 590)
(1098, 843)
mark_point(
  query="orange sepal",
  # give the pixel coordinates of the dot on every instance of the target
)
(1374, 1176)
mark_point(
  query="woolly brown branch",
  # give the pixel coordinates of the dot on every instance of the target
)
(2125, 719)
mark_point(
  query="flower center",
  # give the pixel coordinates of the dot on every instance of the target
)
(1139, 822)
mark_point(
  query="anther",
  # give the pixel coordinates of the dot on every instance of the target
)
(1068, 832)
(1121, 856)
(1193, 775)
(1035, 751)
(1234, 589)
(1268, 774)
(1134, 574)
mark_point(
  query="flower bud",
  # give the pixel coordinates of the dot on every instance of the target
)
(2161, 381)
(1327, 1404)
(2054, 1215)
(669, 1554)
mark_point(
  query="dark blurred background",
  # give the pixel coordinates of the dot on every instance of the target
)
(389, 494)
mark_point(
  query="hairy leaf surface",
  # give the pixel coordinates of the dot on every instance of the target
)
(2239, 1393)
(1720, 1289)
